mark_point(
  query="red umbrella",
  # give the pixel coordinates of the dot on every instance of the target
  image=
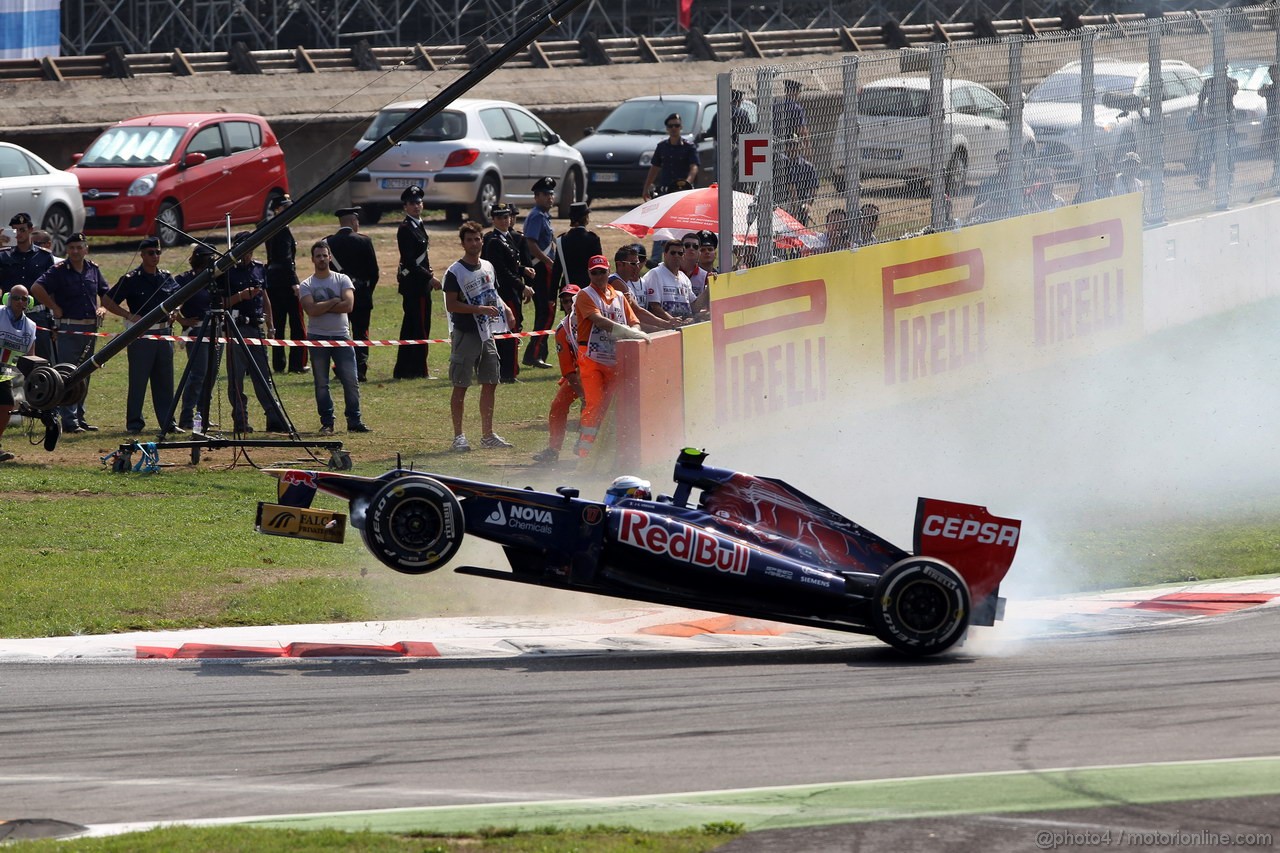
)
(671, 216)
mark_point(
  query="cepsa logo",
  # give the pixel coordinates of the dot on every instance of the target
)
(1079, 282)
(754, 378)
(934, 315)
(960, 529)
(681, 542)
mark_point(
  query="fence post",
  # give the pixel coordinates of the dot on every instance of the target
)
(1018, 168)
(1155, 135)
(763, 204)
(1088, 145)
(938, 141)
(726, 177)
(852, 147)
(1221, 108)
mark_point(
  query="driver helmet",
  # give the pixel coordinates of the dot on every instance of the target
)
(627, 486)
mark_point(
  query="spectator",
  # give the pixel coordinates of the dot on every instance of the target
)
(72, 291)
(667, 292)
(603, 317)
(627, 281)
(868, 221)
(44, 240)
(789, 117)
(674, 159)
(570, 386)
(17, 338)
(506, 249)
(541, 240)
(1041, 197)
(1215, 113)
(23, 263)
(282, 290)
(137, 293)
(477, 314)
(578, 244)
(415, 279)
(328, 298)
(795, 181)
(994, 197)
(353, 253)
(689, 263)
(836, 236)
(1104, 178)
(1271, 133)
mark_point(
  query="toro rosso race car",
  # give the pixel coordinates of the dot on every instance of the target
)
(750, 546)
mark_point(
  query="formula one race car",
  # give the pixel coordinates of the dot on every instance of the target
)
(750, 546)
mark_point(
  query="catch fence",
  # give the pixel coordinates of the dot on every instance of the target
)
(883, 146)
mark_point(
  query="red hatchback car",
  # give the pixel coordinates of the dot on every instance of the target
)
(188, 170)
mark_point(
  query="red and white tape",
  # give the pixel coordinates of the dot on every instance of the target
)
(279, 342)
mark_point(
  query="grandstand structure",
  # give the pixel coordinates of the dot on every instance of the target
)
(150, 26)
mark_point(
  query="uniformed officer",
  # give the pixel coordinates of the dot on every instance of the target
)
(192, 316)
(415, 279)
(71, 291)
(23, 263)
(541, 240)
(250, 311)
(504, 247)
(282, 290)
(150, 361)
(353, 254)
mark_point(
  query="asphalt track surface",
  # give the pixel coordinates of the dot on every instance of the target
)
(100, 743)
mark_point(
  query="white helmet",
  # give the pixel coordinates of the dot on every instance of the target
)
(627, 486)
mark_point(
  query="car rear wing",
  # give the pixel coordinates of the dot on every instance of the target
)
(979, 545)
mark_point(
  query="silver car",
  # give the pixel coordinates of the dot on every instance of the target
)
(467, 158)
(30, 185)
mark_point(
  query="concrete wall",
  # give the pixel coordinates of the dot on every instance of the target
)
(1204, 266)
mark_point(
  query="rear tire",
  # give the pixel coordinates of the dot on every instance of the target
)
(488, 195)
(414, 525)
(60, 225)
(921, 606)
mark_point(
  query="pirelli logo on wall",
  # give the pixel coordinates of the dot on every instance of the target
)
(321, 525)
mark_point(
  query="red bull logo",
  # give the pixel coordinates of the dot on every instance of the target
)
(299, 478)
(679, 541)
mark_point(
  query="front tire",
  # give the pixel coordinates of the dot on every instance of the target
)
(921, 606)
(414, 525)
(170, 215)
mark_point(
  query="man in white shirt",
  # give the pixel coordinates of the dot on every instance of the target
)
(327, 297)
(668, 293)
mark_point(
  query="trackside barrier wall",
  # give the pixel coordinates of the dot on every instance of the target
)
(1204, 266)
(892, 322)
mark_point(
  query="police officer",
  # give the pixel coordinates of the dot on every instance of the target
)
(505, 248)
(23, 263)
(192, 316)
(150, 361)
(71, 291)
(250, 311)
(541, 240)
(282, 290)
(415, 279)
(352, 253)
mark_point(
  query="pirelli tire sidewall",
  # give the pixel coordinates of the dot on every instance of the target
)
(921, 606)
(414, 525)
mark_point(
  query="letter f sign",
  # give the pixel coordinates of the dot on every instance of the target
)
(755, 160)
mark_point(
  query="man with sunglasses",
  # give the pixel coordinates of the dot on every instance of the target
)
(674, 159)
(17, 338)
(23, 263)
(150, 361)
(667, 292)
(72, 290)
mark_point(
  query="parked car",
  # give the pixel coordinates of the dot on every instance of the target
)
(470, 156)
(1121, 118)
(620, 150)
(1251, 107)
(30, 185)
(188, 170)
(893, 132)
